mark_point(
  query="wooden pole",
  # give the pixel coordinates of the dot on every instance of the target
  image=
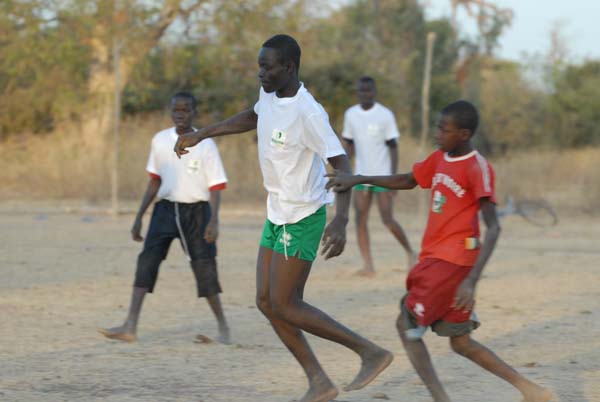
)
(425, 108)
(114, 177)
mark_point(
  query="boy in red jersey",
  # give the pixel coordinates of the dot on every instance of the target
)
(441, 287)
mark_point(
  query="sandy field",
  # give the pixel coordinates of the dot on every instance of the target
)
(65, 274)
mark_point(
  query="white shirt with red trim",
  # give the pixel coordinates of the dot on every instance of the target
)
(295, 140)
(191, 178)
(457, 184)
(370, 130)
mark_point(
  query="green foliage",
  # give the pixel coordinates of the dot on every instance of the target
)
(52, 50)
(575, 105)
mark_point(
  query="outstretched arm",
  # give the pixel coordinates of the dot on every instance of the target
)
(341, 181)
(465, 295)
(334, 236)
(211, 233)
(239, 123)
(151, 191)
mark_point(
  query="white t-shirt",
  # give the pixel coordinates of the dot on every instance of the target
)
(369, 130)
(294, 141)
(190, 178)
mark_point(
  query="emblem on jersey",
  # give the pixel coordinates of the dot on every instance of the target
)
(373, 130)
(193, 166)
(438, 202)
(286, 239)
(278, 138)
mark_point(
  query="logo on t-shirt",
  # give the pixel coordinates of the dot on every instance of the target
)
(438, 202)
(193, 166)
(278, 138)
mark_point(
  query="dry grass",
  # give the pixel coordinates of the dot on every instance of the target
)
(71, 165)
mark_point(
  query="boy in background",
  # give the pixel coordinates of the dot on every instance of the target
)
(370, 133)
(188, 209)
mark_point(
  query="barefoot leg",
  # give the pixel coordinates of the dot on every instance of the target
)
(421, 361)
(128, 331)
(485, 358)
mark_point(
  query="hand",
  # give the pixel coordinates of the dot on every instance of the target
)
(186, 141)
(465, 295)
(211, 232)
(334, 238)
(340, 181)
(136, 230)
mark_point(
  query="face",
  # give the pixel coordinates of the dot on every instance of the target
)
(272, 74)
(182, 113)
(366, 93)
(449, 136)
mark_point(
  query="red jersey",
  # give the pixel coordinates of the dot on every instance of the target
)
(457, 184)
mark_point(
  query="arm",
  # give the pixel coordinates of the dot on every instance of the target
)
(392, 146)
(334, 236)
(348, 147)
(239, 123)
(151, 191)
(465, 295)
(342, 181)
(212, 228)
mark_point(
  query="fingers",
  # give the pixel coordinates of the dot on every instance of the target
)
(333, 245)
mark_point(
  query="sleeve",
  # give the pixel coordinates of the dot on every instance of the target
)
(152, 165)
(481, 179)
(391, 128)
(425, 170)
(257, 104)
(320, 137)
(213, 167)
(347, 130)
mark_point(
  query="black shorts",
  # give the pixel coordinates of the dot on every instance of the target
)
(187, 222)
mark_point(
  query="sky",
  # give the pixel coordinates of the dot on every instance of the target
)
(532, 23)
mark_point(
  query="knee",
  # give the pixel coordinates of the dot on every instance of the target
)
(264, 305)
(280, 310)
(387, 220)
(461, 345)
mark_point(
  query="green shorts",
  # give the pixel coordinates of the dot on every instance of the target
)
(300, 239)
(373, 189)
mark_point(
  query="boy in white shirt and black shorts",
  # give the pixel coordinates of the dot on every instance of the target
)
(294, 140)
(371, 134)
(188, 209)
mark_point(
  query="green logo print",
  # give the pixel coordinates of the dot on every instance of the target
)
(278, 137)
(438, 202)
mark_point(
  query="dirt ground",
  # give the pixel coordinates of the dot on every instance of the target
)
(65, 274)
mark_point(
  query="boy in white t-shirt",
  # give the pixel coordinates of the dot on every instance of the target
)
(188, 209)
(371, 134)
(294, 140)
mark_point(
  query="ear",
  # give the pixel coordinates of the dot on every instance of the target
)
(290, 67)
(465, 134)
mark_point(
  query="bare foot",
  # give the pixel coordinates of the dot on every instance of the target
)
(224, 336)
(366, 273)
(535, 393)
(202, 339)
(322, 391)
(118, 333)
(372, 364)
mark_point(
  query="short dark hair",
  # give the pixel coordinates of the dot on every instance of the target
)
(287, 48)
(366, 79)
(464, 114)
(186, 95)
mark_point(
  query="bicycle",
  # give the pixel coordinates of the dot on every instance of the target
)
(535, 211)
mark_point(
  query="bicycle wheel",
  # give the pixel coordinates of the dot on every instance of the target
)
(537, 212)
